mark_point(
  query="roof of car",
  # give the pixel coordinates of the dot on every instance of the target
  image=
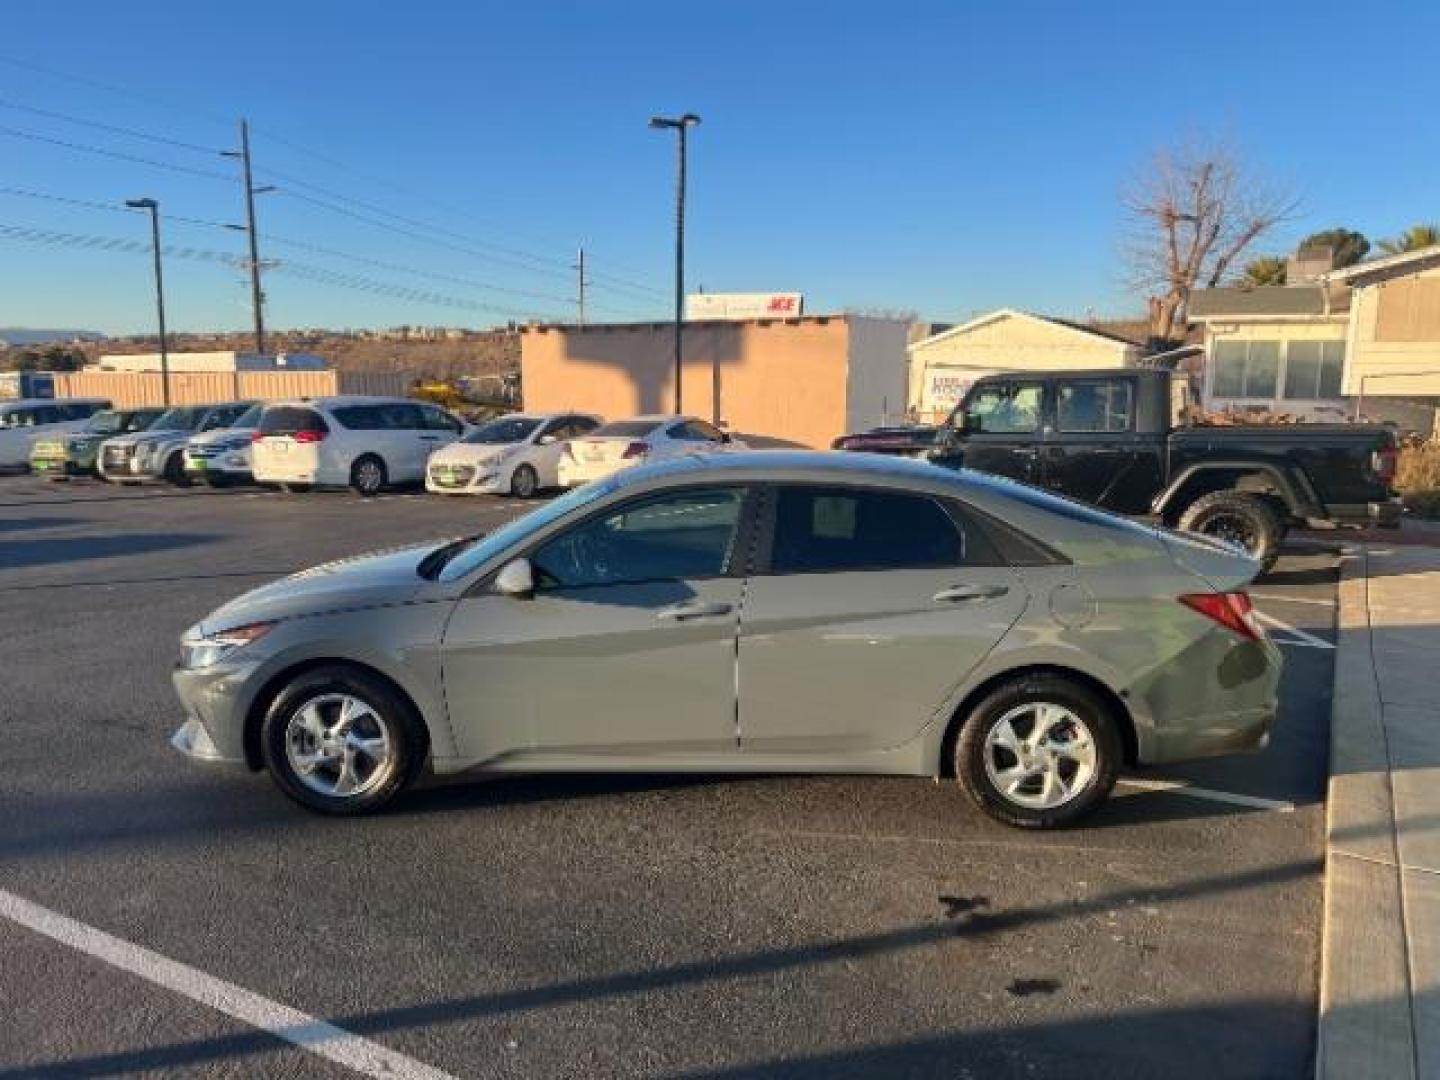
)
(339, 401)
(822, 465)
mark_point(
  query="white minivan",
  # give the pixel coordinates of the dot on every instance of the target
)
(364, 443)
(25, 419)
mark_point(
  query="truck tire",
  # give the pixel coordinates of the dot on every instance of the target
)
(1247, 520)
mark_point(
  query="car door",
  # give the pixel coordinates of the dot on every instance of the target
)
(1003, 421)
(627, 646)
(1092, 451)
(868, 609)
(548, 443)
(411, 438)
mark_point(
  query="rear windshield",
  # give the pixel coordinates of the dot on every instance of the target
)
(507, 429)
(626, 428)
(249, 418)
(288, 419)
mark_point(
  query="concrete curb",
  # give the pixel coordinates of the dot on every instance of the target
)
(1366, 1025)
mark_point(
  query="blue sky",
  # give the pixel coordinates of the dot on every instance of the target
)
(943, 158)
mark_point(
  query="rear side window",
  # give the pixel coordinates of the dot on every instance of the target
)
(626, 428)
(1095, 405)
(288, 419)
(826, 530)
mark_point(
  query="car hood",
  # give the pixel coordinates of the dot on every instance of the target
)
(222, 435)
(472, 453)
(142, 438)
(374, 580)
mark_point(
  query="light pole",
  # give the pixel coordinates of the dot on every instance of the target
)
(680, 125)
(154, 208)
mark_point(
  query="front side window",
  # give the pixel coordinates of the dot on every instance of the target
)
(676, 537)
(827, 530)
(1004, 409)
(627, 429)
(1098, 405)
(178, 420)
(507, 429)
(437, 419)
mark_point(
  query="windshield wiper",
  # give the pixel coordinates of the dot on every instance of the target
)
(431, 565)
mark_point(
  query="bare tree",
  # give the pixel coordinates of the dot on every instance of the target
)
(1193, 212)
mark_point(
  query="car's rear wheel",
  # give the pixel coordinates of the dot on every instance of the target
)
(367, 475)
(524, 482)
(1245, 520)
(1039, 752)
(341, 741)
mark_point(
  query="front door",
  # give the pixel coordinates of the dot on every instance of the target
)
(627, 647)
(871, 607)
(1002, 424)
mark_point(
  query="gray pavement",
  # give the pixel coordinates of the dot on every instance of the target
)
(1380, 990)
(608, 926)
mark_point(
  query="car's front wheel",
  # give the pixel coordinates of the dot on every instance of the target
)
(1039, 752)
(340, 741)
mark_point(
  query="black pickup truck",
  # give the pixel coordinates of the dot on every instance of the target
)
(1110, 438)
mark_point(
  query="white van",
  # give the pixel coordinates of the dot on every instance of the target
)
(24, 420)
(364, 443)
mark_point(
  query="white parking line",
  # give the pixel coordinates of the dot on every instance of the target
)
(1180, 787)
(1296, 636)
(281, 1021)
(1292, 599)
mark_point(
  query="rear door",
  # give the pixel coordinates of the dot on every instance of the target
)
(1003, 428)
(866, 611)
(1093, 452)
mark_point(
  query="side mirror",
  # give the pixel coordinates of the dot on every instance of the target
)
(516, 579)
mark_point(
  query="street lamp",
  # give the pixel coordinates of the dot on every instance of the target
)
(680, 125)
(154, 208)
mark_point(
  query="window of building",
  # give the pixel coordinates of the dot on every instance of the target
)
(1313, 369)
(1245, 369)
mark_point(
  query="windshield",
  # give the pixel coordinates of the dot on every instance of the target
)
(507, 429)
(177, 420)
(464, 559)
(107, 422)
(626, 428)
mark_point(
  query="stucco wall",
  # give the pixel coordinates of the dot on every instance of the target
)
(1384, 364)
(784, 380)
(875, 387)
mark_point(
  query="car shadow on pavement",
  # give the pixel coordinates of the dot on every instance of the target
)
(1243, 1037)
(24, 524)
(22, 554)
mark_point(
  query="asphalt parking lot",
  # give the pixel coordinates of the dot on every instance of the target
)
(594, 926)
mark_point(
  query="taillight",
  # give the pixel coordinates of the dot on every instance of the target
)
(636, 449)
(256, 436)
(568, 449)
(308, 436)
(1231, 610)
(1382, 463)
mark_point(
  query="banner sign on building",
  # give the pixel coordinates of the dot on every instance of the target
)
(944, 387)
(744, 305)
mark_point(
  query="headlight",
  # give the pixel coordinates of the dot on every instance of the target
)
(201, 652)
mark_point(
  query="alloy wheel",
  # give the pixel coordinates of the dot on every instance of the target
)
(339, 746)
(369, 477)
(1040, 755)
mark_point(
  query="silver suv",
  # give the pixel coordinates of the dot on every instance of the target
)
(158, 452)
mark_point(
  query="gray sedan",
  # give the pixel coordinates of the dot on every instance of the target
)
(752, 612)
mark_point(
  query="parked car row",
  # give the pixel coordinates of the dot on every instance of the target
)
(363, 443)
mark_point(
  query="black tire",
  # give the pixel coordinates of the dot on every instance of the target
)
(524, 482)
(1247, 520)
(404, 729)
(368, 476)
(216, 481)
(174, 471)
(1010, 699)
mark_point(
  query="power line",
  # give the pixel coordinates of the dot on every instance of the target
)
(116, 154)
(318, 274)
(118, 208)
(164, 140)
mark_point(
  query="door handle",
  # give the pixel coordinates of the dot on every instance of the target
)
(957, 594)
(692, 609)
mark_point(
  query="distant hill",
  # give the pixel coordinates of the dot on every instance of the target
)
(16, 335)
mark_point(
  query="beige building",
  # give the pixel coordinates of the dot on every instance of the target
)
(943, 366)
(802, 381)
(1393, 336)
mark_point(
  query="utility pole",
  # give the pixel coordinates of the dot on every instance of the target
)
(257, 295)
(681, 125)
(581, 282)
(154, 208)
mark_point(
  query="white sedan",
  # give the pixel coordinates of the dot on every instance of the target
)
(622, 443)
(511, 455)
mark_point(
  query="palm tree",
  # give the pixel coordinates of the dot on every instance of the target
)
(1266, 270)
(1412, 239)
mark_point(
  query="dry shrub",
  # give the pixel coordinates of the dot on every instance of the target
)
(1417, 478)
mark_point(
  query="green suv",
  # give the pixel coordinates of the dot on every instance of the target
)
(73, 453)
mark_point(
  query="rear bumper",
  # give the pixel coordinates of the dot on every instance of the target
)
(1382, 513)
(1241, 732)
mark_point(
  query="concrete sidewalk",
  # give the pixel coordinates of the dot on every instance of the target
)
(1380, 966)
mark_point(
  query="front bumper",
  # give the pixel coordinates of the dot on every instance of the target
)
(466, 480)
(56, 465)
(192, 740)
(216, 700)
